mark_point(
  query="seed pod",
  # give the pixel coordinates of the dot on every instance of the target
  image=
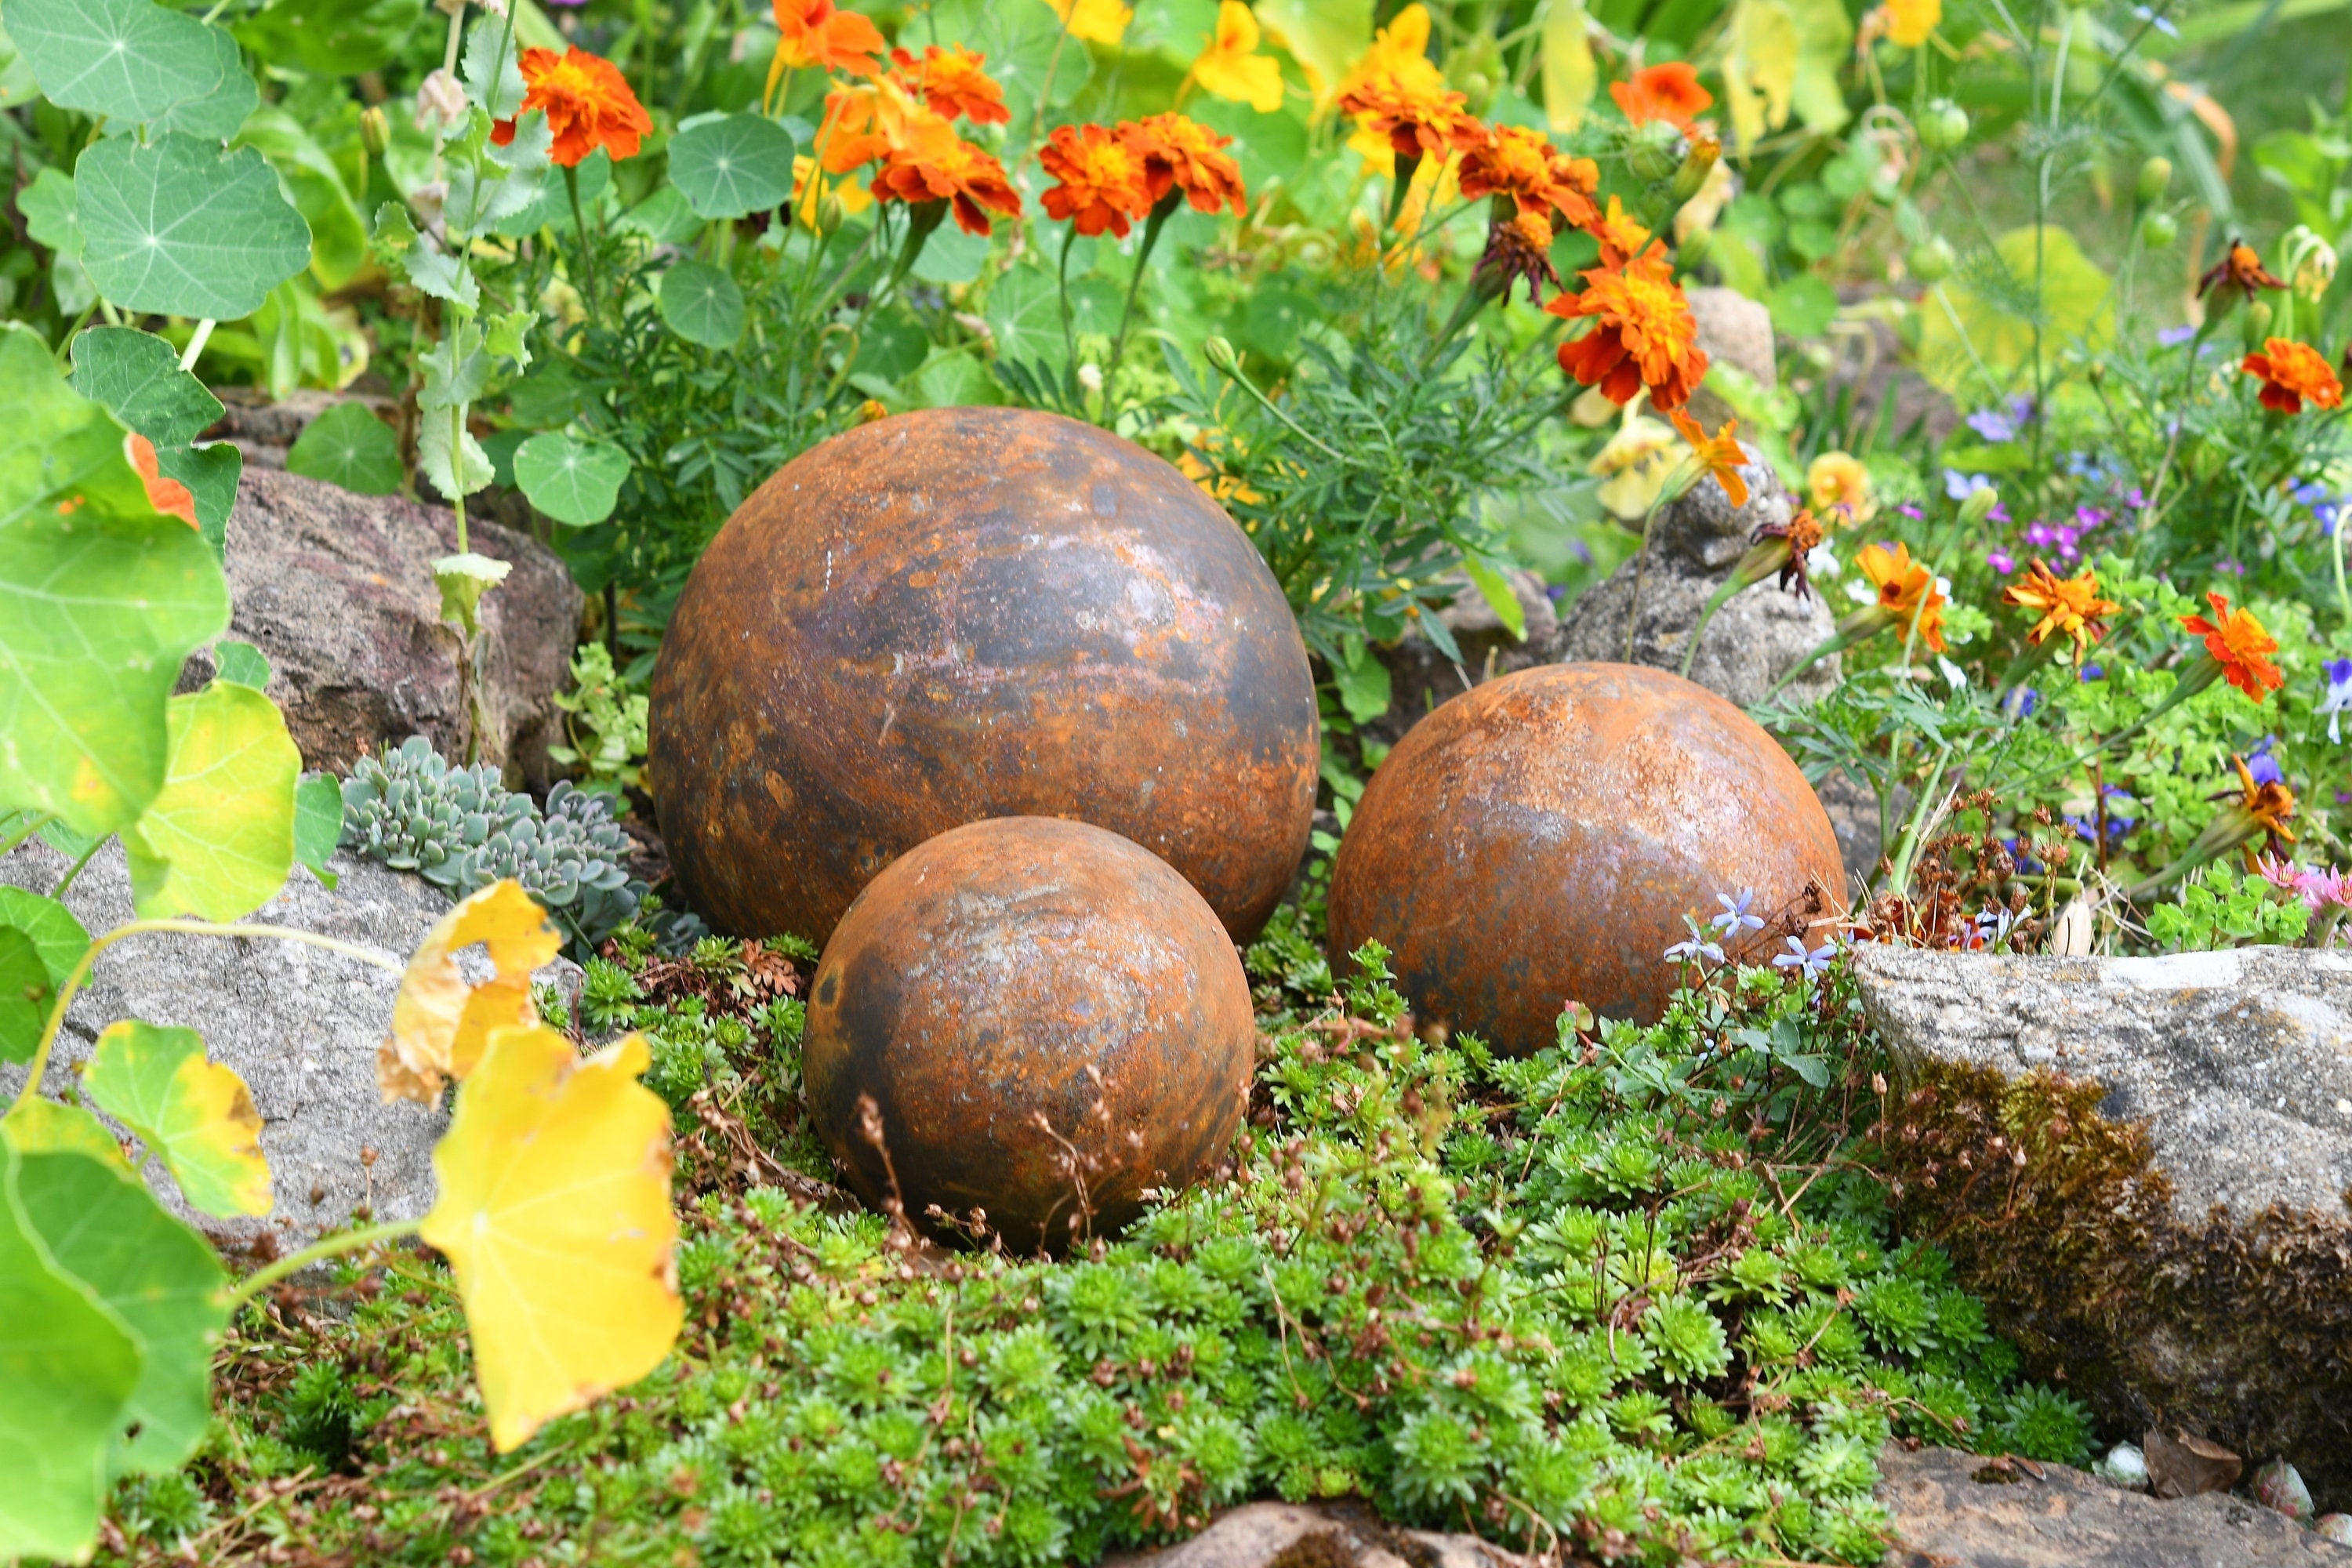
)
(1943, 126)
(1930, 260)
(2154, 175)
(2158, 230)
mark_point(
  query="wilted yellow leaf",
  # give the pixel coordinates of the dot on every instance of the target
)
(438, 1022)
(196, 1114)
(1323, 36)
(555, 1215)
(1759, 69)
(1569, 76)
(43, 1126)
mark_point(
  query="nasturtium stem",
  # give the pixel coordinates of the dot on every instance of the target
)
(82, 966)
(319, 1251)
(75, 870)
(196, 342)
(33, 825)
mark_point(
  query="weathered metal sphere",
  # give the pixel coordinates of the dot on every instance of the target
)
(1048, 1019)
(970, 612)
(1538, 839)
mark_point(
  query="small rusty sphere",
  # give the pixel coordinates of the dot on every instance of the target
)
(1047, 1020)
(969, 613)
(1538, 839)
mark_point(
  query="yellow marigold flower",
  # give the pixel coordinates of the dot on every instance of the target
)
(1633, 468)
(1232, 68)
(1907, 589)
(1838, 483)
(2070, 605)
(1094, 21)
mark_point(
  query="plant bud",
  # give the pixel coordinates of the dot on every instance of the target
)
(1943, 126)
(2154, 176)
(1649, 150)
(829, 214)
(1694, 247)
(2158, 230)
(1931, 259)
(1219, 351)
(1696, 165)
(1981, 501)
(375, 131)
(2258, 321)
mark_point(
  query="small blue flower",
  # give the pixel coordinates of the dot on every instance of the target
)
(2173, 337)
(1960, 487)
(2161, 24)
(1696, 948)
(2093, 672)
(2260, 766)
(1812, 963)
(1735, 920)
(1993, 425)
(2338, 698)
(2311, 492)
(2021, 702)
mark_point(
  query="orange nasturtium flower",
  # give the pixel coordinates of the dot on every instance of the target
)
(1720, 454)
(1513, 161)
(950, 82)
(1232, 68)
(2240, 267)
(816, 33)
(1643, 335)
(2237, 642)
(2292, 374)
(1183, 155)
(1102, 180)
(587, 102)
(2070, 605)
(166, 495)
(1670, 92)
(1906, 590)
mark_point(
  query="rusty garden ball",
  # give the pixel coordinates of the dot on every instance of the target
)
(1538, 839)
(1047, 1020)
(969, 613)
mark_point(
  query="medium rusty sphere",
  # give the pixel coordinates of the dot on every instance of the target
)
(1041, 1012)
(1538, 839)
(970, 612)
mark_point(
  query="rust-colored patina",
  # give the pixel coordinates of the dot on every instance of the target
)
(969, 613)
(1538, 839)
(1048, 1020)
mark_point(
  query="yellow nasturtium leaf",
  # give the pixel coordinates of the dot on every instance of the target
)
(197, 1114)
(42, 1126)
(439, 1023)
(1759, 69)
(555, 1215)
(219, 839)
(1979, 326)
(1569, 76)
(1325, 36)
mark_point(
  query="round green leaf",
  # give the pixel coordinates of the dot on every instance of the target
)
(210, 472)
(349, 446)
(181, 228)
(215, 116)
(732, 164)
(136, 377)
(318, 823)
(70, 1364)
(126, 59)
(240, 662)
(25, 993)
(105, 1230)
(702, 305)
(578, 483)
(219, 838)
(59, 938)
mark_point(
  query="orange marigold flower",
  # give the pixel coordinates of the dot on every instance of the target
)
(1837, 482)
(938, 166)
(166, 495)
(1180, 153)
(1513, 161)
(1620, 235)
(1907, 589)
(816, 33)
(1421, 117)
(1670, 92)
(2237, 641)
(1102, 179)
(950, 82)
(587, 102)
(2268, 804)
(1643, 334)
(2071, 605)
(2293, 374)
(2240, 267)
(1801, 535)
(1720, 454)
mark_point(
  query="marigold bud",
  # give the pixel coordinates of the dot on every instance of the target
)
(829, 214)
(1696, 165)
(1219, 351)
(375, 131)
(1930, 260)
(1981, 501)
(1649, 150)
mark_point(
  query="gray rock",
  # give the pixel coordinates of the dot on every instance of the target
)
(337, 590)
(2143, 1166)
(1760, 635)
(2050, 1516)
(1325, 1535)
(299, 1024)
(1735, 331)
(1420, 678)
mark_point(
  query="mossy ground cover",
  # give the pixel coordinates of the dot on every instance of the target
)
(1638, 1298)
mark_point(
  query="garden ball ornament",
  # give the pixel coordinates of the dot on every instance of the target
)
(1540, 838)
(1046, 1021)
(968, 612)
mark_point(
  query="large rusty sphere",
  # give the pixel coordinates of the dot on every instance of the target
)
(1046, 1017)
(1538, 839)
(969, 613)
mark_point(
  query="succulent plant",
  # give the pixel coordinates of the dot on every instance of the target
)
(461, 828)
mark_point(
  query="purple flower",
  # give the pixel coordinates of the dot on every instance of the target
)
(2173, 337)
(1694, 949)
(2136, 498)
(2091, 516)
(1913, 512)
(2338, 698)
(2038, 533)
(1735, 920)
(1812, 963)
(2260, 766)
(1993, 425)
(2229, 568)
(2094, 672)
(2000, 561)
(1998, 511)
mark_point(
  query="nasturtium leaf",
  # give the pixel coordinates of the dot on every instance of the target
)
(39, 1125)
(339, 238)
(578, 483)
(1979, 325)
(951, 256)
(59, 937)
(318, 824)
(434, 437)
(136, 377)
(218, 840)
(25, 993)
(70, 1365)
(665, 217)
(52, 214)
(464, 579)
(101, 598)
(210, 474)
(439, 1022)
(1569, 76)
(732, 164)
(216, 115)
(73, 845)
(105, 1230)
(196, 1115)
(240, 662)
(700, 303)
(349, 446)
(492, 66)
(125, 59)
(331, 37)
(554, 1214)
(181, 228)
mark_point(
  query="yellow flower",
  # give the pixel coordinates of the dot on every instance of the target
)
(1399, 54)
(1096, 21)
(1232, 68)
(809, 193)
(1633, 468)
(1839, 488)
(1908, 22)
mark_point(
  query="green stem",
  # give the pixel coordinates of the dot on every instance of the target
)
(458, 471)
(33, 825)
(319, 1251)
(82, 966)
(1232, 369)
(580, 225)
(75, 870)
(1152, 226)
(1062, 286)
(1758, 563)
